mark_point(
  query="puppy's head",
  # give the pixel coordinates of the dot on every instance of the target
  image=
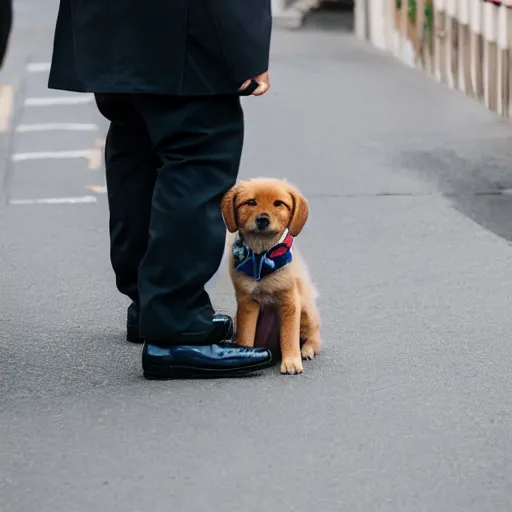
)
(264, 208)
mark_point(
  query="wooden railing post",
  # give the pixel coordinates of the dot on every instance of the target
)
(465, 79)
(503, 60)
(440, 41)
(477, 48)
(508, 5)
(452, 43)
(419, 50)
(490, 56)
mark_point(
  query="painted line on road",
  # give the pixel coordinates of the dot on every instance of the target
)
(49, 155)
(55, 200)
(47, 127)
(99, 189)
(95, 159)
(59, 100)
(6, 102)
(93, 156)
(38, 67)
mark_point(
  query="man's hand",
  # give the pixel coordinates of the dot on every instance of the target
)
(263, 82)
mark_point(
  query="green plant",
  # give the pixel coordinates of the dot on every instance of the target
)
(428, 27)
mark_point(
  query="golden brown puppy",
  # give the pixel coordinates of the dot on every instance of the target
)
(264, 215)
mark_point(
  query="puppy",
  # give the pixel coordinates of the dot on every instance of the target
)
(264, 215)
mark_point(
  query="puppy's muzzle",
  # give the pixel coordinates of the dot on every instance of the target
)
(262, 222)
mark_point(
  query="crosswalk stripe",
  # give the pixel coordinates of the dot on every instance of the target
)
(59, 100)
(99, 189)
(89, 154)
(44, 127)
(38, 67)
(6, 101)
(55, 200)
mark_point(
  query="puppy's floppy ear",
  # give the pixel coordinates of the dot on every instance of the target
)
(228, 209)
(300, 211)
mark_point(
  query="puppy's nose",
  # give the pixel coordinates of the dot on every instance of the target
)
(262, 222)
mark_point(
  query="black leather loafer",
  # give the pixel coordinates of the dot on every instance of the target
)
(218, 360)
(132, 324)
(222, 327)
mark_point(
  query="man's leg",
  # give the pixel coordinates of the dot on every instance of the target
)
(130, 176)
(199, 143)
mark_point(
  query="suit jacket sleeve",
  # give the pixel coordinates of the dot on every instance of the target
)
(244, 28)
(5, 26)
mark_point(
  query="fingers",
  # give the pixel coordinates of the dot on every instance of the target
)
(245, 85)
(263, 82)
(262, 88)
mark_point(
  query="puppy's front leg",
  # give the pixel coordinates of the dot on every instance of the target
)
(246, 321)
(289, 314)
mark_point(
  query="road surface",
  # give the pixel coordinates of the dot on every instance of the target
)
(408, 407)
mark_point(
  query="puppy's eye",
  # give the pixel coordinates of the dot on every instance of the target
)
(251, 202)
(277, 204)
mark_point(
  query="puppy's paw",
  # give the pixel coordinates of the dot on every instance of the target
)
(308, 352)
(291, 366)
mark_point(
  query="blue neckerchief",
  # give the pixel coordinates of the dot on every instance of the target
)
(258, 266)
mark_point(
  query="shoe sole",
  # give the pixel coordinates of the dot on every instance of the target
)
(152, 372)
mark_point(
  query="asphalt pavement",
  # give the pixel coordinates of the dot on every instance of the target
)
(407, 408)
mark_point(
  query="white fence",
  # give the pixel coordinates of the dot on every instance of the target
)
(466, 44)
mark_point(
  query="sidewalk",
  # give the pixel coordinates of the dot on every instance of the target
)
(408, 406)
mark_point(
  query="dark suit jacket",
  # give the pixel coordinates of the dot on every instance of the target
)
(173, 47)
(5, 26)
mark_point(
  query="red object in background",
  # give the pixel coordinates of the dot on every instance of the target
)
(267, 331)
(506, 3)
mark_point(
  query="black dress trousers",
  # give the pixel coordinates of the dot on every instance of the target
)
(169, 161)
(167, 74)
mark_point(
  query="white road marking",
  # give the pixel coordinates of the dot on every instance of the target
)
(95, 159)
(6, 100)
(46, 127)
(48, 155)
(56, 200)
(99, 189)
(59, 100)
(38, 67)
